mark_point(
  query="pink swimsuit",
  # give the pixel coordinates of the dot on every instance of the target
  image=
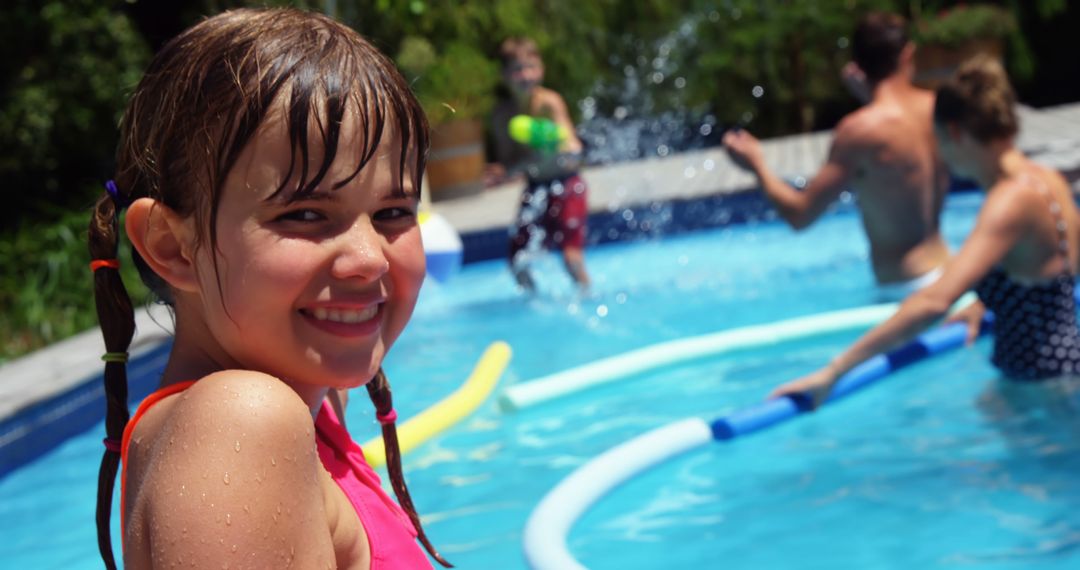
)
(391, 535)
(390, 532)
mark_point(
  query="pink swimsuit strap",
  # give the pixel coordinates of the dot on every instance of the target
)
(391, 534)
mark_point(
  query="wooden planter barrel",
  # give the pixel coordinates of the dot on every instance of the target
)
(455, 165)
(935, 63)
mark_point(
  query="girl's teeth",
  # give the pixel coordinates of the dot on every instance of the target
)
(344, 315)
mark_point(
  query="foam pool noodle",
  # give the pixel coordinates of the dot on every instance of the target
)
(539, 133)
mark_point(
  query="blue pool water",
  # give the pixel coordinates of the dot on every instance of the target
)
(933, 468)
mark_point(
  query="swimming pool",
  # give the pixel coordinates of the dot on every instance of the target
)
(928, 469)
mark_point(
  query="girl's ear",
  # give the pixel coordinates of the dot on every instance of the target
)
(165, 241)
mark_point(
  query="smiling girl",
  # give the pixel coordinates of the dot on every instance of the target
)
(269, 163)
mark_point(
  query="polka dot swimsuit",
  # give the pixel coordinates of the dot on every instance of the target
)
(1035, 329)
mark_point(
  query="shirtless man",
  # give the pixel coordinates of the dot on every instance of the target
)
(886, 152)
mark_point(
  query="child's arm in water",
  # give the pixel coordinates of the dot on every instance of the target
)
(233, 478)
(999, 226)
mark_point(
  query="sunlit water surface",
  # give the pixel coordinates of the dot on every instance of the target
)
(934, 468)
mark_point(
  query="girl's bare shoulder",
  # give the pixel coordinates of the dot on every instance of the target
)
(234, 451)
(231, 408)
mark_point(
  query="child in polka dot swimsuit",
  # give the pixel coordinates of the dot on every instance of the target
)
(1035, 331)
(1018, 258)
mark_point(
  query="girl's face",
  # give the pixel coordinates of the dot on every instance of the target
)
(315, 291)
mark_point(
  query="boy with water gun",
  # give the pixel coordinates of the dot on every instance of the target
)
(534, 136)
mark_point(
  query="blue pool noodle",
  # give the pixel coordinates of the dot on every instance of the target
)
(544, 538)
(771, 412)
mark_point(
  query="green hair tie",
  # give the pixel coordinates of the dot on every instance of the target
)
(115, 357)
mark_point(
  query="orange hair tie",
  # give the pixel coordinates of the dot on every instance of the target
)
(99, 263)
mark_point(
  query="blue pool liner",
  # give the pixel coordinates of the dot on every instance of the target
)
(544, 537)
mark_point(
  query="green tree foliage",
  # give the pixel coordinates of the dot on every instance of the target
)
(69, 65)
(47, 295)
(62, 86)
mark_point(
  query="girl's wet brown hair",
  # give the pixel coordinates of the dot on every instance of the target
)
(201, 101)
(979, 99)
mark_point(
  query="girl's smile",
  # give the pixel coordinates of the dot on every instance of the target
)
(349, 322)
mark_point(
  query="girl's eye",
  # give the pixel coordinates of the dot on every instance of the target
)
(393, 214)
(301, 216)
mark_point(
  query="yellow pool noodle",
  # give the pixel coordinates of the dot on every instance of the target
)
(448, 411)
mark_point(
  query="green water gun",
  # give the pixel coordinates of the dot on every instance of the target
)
(541, 134)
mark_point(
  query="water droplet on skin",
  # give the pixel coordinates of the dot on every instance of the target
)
(234, 547)
(237, 446)
(226, 478)
(273, 462)
(228, 519)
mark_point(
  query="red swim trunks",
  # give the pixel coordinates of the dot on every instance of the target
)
(558, 207)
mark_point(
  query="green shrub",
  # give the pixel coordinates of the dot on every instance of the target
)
(46, 289)
(458, 83)
(962, 23)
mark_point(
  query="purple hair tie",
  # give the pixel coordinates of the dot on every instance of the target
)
(114, 193)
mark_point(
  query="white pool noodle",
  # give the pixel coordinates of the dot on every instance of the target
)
(682, 350)
(544, 539)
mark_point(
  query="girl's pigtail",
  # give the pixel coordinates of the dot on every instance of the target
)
(379, 391)
(117, 319)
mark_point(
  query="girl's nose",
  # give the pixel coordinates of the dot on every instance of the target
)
(360, 254)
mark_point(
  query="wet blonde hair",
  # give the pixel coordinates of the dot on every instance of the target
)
(979, 99)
